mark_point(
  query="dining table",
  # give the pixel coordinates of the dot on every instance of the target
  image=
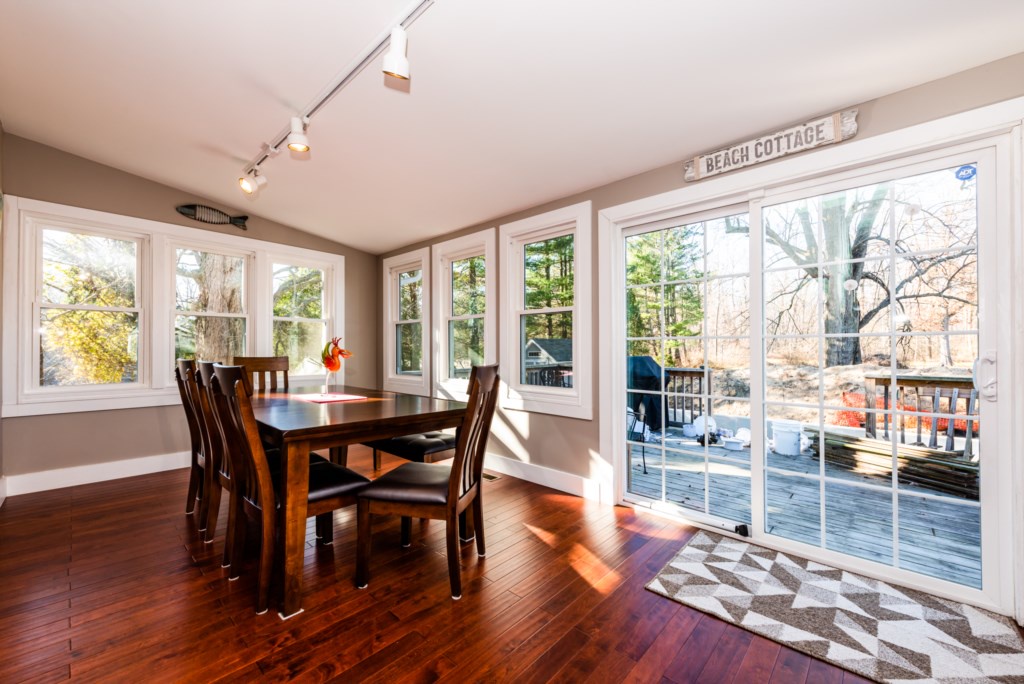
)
(300, 420)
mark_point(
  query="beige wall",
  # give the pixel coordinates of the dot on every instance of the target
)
(568, 444)
(38, 443)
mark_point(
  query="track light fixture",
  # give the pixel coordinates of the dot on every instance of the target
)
(395, 64)
(298, 141)
(252, 182)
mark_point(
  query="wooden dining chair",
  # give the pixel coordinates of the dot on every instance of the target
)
(184, 369)
(331, 486)
(264, 370)
(437, 491)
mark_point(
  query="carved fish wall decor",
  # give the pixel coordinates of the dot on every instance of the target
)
(201, 212)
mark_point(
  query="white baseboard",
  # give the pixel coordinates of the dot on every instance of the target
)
(3, 489)
(548, 477)
(98, 472)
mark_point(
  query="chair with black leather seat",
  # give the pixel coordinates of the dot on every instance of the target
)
(197, 461)
(330, 486)
(265, 370)
(434, 490)
(423, 447)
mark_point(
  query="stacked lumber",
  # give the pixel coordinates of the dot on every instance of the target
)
(944, 471)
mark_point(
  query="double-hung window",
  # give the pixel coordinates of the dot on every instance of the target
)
(88, 310)
(546, 355)
(300, 328)
(464, 310)
(210, 321)
(406, 323)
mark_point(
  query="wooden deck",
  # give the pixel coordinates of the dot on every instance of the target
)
(939, 538)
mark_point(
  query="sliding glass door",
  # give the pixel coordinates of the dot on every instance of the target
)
(799, 368)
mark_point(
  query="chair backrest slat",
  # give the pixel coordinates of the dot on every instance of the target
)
(182, 369)
(241, 436)
(471, 448)
(215, 433)
(265, 370)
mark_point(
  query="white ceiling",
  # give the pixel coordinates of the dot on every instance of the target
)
(511, 104)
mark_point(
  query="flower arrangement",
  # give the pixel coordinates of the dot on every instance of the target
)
(332, 355)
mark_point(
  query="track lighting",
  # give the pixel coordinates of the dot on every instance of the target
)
(297, 139)
(395, 62)
(252, 182)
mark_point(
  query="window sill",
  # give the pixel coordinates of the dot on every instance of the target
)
(44, 407)
(567, 405)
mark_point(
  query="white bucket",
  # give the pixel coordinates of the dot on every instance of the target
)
(788, 435)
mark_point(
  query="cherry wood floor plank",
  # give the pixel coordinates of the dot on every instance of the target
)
(759, 661)
(655, 661)
(820, 672)
(695, 653)
(790, 667)
(112, 582)
(727, 656)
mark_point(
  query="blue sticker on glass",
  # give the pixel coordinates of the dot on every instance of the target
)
(966, 172)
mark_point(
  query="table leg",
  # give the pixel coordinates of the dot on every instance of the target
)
(339, 455)
(294, 497)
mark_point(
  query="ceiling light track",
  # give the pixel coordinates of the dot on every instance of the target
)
(295, 136)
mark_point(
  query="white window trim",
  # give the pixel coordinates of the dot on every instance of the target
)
(155, 285)
(984, 125)
(393, 266)
(571, 402)
(444, 253)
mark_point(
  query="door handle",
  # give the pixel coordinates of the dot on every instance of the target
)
(988, 389)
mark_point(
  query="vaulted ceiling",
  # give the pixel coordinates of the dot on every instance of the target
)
(511, 104)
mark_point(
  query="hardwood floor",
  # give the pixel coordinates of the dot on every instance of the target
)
(111, 582)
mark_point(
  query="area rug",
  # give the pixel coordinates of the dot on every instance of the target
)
(877, 630)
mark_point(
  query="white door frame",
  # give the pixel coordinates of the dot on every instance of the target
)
(997, 126)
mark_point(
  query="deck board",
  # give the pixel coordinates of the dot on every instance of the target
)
(937, 537)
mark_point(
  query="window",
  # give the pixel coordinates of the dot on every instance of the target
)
(300, 329)
(88, 317)
(464, 310)
(97, 306)
(406, 317)
(209, 304)
(546, 298)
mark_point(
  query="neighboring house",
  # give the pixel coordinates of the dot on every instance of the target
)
(548, 352)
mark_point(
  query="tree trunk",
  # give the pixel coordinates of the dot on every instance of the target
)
(842, 307)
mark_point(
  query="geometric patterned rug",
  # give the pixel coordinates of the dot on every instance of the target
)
(877, 630)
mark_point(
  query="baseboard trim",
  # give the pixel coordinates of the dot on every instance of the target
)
(98, 472)
(548, 477)
(3, 490)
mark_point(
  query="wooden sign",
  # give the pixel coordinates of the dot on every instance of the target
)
(825, 131)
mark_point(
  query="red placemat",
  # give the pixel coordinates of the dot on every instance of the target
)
(327, 398)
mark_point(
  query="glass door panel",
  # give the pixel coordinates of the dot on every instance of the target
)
(870, 327)
(688, 367)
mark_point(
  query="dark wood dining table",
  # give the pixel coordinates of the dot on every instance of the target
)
(300, 426)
